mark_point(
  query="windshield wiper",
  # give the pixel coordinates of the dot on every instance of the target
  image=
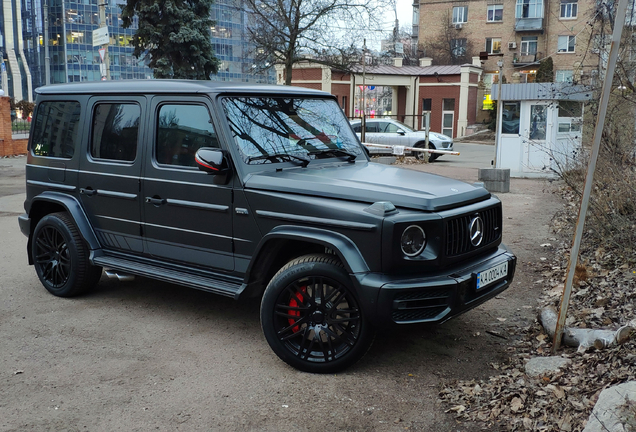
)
(336, 152)
(284, 157)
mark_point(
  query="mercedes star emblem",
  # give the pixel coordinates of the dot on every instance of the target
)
(476, 230)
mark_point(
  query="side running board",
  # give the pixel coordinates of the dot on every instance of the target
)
(222, 287)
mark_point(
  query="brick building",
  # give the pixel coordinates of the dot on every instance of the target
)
(448, 92)
(519, 32)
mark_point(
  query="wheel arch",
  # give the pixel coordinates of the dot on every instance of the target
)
(285, 243)
(53, 202)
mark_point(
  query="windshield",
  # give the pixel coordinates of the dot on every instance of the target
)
(405, 127)
(299, 127)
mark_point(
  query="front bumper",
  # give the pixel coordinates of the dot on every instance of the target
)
(436, 298)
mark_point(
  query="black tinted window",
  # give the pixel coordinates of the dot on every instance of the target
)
(181, 131)
(56, 128)
(115, 131)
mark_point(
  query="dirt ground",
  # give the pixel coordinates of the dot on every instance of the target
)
(144, 355)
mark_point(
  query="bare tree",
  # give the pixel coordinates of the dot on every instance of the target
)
(449, 46)
(289, 31)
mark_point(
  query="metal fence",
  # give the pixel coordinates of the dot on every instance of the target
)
(20, 126)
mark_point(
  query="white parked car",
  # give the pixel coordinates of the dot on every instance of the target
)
(393, 132)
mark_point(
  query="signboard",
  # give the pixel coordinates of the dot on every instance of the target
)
(102, 53)
(399, 48)
(100, 36)
(102, 69)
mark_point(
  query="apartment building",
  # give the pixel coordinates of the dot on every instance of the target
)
(520, 33)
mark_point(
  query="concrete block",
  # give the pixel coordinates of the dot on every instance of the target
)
(495, 179)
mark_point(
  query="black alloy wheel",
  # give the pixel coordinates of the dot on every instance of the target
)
(311, 317)
(60, 257)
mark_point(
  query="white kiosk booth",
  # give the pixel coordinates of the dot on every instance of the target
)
(540, 126)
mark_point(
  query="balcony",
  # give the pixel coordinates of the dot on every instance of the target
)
(529, 25)
(527, 59)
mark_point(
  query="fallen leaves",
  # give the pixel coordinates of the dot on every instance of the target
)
(604, 296)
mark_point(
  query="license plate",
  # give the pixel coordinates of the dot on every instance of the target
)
(492, 275)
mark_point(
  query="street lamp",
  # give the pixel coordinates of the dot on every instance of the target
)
(499, 112)
(79, 59)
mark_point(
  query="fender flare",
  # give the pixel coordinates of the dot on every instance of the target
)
(341, 245)
(74, 208)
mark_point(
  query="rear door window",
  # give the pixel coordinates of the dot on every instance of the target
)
(115, 129)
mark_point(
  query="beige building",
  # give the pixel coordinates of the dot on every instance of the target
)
(518, 32)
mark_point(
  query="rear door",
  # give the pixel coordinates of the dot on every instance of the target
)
(186, 216)
(110, 170)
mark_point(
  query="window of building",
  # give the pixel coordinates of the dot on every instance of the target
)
(563, 76)
(493, 45)
(569, 9)
(181, 131)
(570, 116)
(427, 104)
(529, 45)
(115, 131)
(529, 9)
(458, 47)
(495, 13)
(566, 44)
(510, 117)
(460, 14)
(51, 141)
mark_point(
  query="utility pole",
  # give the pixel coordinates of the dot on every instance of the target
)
(47, 59)
(363, 123)
(102, 23)
(499, 113)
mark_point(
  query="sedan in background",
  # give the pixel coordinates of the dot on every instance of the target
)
(393, 132)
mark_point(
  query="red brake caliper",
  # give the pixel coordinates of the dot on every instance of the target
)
(293, 303)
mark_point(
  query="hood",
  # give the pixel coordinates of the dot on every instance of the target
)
(371, 182)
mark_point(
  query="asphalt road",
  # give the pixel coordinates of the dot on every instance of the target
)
(143, 355)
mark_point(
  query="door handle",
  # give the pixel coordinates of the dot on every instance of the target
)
(88, 191)
(155, 201)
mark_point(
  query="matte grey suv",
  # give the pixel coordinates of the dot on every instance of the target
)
(253, 191)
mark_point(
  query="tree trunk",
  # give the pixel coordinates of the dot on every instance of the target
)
(583, 338)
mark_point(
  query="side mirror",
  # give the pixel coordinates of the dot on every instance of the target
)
(401, 132)
(212, 160)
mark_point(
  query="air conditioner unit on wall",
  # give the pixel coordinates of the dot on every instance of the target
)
(458, 26)
(512, 45)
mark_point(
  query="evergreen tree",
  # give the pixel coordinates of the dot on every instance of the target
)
(545, 72)
(174, 35)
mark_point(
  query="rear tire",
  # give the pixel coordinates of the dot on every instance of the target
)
(60, 257)
(311, 317)
(421, 155)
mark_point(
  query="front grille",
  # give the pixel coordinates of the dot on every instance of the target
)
(458, 236)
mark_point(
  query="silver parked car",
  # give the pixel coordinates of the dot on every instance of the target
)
(393, 132)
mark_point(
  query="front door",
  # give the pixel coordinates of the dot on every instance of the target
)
(186, 216)
(538, 126)
(110, 171)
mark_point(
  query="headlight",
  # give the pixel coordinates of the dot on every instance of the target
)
(413, 241)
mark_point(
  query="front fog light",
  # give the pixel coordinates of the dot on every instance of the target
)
(413, 241)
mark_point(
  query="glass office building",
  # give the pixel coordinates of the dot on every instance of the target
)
(231, 44)
(73, 57)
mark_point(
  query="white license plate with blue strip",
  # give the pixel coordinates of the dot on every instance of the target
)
(492, 275)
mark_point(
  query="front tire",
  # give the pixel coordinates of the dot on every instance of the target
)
(311, 317)
(60, 257)
(421, 155)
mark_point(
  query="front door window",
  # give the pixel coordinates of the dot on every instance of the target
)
(448, 116)
(537, 122)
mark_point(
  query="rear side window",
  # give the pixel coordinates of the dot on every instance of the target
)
(56, 129)
(115, 131)
(182, 130)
